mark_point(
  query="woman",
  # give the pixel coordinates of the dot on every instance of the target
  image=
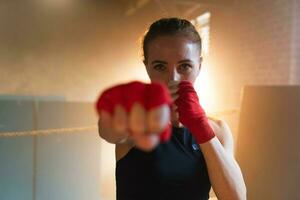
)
(198, 153)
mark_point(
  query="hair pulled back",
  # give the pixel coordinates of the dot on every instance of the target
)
(170, 27)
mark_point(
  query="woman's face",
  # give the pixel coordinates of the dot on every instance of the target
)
(173, 58)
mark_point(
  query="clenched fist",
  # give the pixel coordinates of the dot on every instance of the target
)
(137, 112)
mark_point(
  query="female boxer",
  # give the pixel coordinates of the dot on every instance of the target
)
(157, 159)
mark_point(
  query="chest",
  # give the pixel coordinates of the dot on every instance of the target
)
(178, 162)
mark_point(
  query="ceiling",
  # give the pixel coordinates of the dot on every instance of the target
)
(184, 8)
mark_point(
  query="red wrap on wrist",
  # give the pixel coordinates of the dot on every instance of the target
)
(191, 114)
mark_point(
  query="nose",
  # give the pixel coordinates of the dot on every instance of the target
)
(173, 75)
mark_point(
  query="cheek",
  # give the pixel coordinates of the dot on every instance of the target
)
(192, 76)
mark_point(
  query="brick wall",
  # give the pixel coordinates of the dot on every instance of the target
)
(253, 43)
(295, 44)
(261, 35)
(265, 42)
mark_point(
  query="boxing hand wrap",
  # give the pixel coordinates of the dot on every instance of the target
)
(124, 94)
(191, 114)
(157, 94)
(149, 96)
(165, 135)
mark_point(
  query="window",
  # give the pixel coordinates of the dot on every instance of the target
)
(202, 25)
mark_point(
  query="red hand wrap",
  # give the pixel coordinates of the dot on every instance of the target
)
(191, 114)
(148, 95)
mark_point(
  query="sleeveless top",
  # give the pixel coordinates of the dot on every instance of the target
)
(175, 170)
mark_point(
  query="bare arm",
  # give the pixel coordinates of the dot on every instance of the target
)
(224, 172)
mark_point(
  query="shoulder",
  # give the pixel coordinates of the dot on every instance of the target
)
(222, 132)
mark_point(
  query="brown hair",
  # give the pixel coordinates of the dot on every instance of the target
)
(170, 26)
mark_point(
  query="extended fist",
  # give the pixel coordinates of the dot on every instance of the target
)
(135, 111)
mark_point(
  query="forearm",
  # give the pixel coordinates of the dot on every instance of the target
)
(224, 173)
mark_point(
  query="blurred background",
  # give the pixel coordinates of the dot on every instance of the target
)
(56, 56)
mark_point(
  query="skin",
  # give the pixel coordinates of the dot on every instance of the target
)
(173, 58)
(170, 60)
(138, 127)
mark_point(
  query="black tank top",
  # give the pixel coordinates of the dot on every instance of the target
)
(175, 170)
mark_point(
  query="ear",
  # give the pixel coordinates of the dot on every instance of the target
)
(200, 64)
(201, 59)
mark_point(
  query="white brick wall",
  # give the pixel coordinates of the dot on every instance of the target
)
(266, 35)
(253, 42)
(295, 44)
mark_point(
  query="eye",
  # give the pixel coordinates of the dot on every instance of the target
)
(185, 67)
(159, 67)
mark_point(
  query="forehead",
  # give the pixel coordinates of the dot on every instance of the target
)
(175, 47)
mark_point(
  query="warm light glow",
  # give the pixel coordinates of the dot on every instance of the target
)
(205, 90)
(202, 24)
(135, 70)
(204, 84)
(58, 4)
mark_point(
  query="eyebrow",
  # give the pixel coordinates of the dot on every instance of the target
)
(164, 62)
(186, 60)
(159, 62)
